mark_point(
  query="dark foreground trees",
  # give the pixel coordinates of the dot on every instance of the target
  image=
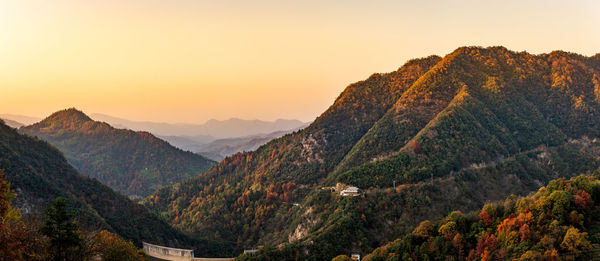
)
(58, 238)
(65, 241)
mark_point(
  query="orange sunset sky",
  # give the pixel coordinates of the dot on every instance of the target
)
(189, 61)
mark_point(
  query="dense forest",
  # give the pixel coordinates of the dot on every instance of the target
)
(436, 135)
(133, 163)
(39, 173)
(58, 238)
(560, 221)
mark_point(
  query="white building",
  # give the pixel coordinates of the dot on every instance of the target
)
(350, 191)
(250, 251)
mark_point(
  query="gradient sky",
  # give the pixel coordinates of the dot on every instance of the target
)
(192, 60)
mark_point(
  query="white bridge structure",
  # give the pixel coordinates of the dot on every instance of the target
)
(175, 254)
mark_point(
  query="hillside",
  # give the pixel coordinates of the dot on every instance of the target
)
(558, 222)
(133, 163)
(38, 173)
(436, 135)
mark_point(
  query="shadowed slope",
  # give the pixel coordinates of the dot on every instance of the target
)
(38, 173)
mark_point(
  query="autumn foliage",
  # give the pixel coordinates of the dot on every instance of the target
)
(529, 228)
(109, 246)
(13, 233)
(478, 116)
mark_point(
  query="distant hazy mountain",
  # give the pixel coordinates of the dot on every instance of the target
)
(189, 142)
(218, 149)
(12, 124)
(23, 120)
(226, 147)
(218, 129)
(134, 163)
(238, 128)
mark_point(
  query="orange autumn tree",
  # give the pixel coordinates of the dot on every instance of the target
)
(110, 247)
(13, 232)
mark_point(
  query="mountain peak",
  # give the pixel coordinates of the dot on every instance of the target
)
(69, 118)
(71, 115)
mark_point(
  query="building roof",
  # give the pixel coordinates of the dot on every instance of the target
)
(351, 189)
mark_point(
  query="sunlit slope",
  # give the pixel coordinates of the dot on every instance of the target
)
(457, 125)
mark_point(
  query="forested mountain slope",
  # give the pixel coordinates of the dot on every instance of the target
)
(134, 163)
(38, 173)
(449, 133)
(560, 221)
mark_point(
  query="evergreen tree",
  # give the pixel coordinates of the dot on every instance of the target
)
(65, 242)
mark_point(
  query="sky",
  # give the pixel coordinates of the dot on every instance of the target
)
(193, 60)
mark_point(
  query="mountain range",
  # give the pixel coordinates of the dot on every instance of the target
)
(211, 130)
(133, 163)
(436, 135)
(440, 134)
(214, 139)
